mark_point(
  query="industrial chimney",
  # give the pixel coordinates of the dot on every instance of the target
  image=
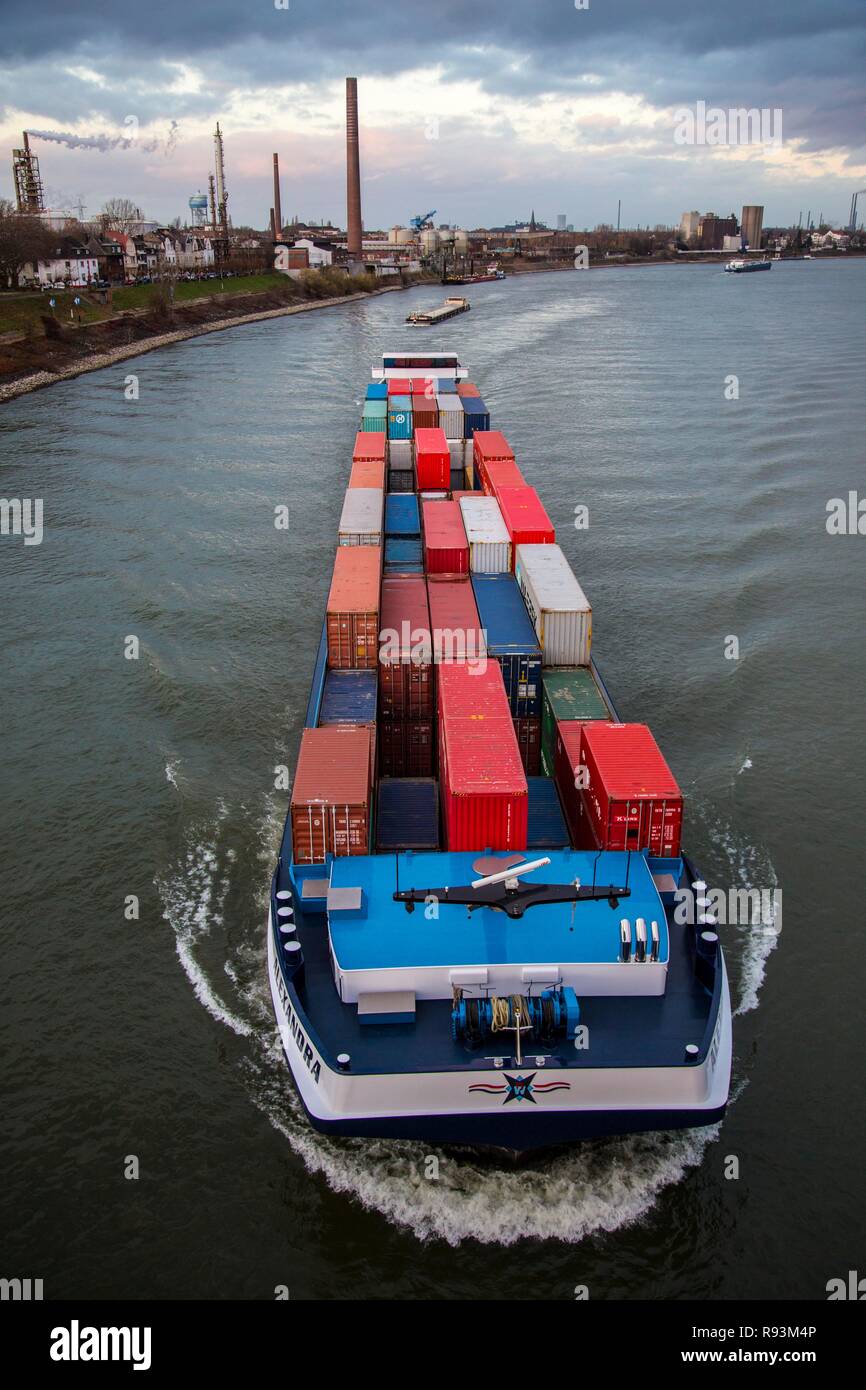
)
(353, 171)
(278, 215)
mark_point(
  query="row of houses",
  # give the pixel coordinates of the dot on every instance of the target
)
(84, 258)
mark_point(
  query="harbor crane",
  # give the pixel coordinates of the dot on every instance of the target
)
(852, 220)
(416, 223)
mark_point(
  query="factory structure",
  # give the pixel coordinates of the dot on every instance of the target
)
(143, 249)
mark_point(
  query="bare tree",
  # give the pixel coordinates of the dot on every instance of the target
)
(121, 214)
(22, 239)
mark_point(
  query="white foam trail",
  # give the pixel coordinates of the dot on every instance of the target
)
(170, 772)
(747, 866)
(746, 765)
(205, 994)
(193, 900)
(602, 1185)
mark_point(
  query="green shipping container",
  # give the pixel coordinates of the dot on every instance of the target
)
(569, 692)
(375, 417)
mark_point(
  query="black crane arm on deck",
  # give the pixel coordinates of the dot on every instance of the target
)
(513, 901)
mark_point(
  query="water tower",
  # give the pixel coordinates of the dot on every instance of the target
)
(198, 209)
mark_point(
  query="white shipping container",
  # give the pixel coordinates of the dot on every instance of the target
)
(361, 517)
(400, 454)
(487, 534)
(557, 605)
(455, 449)
(451, 416)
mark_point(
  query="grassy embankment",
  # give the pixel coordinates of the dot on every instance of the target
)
(25, 313)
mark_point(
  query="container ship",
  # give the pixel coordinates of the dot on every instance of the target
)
(483, 928)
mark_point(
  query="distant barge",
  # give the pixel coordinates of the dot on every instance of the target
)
(454, 304)
(738, 267)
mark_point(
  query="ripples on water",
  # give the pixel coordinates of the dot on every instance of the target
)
(705, 517)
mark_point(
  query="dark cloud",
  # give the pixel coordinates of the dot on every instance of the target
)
(805, 56)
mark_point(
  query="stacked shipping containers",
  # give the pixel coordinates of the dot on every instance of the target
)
(511, 639)
(489, 544)
(482, 783)
(432, 460)
(362, 517)
(617, 789)
(405, 679)
(352, 614)
(525, 516)
(446, 549)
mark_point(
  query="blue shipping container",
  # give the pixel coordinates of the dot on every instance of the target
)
(400, 552)
(407, 813)
(377, 391)
(476, 416)
(401, 515)
(445, 386)
(546, 828)
(400, 417)
(349, 697)
(512, 639)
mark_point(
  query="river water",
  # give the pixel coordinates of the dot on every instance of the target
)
(148, 1044)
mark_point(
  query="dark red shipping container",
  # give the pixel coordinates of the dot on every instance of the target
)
(425, 414)
(566, 768)
(527, 731)
(525, 517)
(369, 447)
(432, 461)
(406, 747)
(405, 650)
(352, 616)
(504, 473)
(454, 623)
(446, 549)
(633, 799)
(483, 788)
(467, 388)
(331, 793)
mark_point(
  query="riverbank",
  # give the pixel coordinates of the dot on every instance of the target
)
(78, 350)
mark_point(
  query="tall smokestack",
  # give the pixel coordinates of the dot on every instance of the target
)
(353, 171)
(278, 213)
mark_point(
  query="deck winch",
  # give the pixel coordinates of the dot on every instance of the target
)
(552, 1014)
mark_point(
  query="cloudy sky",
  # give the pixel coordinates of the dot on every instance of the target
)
(481, 110)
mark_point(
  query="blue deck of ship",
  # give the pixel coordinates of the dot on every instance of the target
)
(388, 937)
(648, 1032)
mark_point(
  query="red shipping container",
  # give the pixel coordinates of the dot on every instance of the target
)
(426, 386)
(446, 549)
(330, 806)
(368, 474)
(369, 447)
(399, 386)
(432, 461)
(525, 517)
(405, 650)
(483, 786)
(633, 800)
(454, 623)
(490, 446)
(406, 747)
(527, 731)
(463, 492)
(353, 608)
(498, 474)
(567, 763)
(467, 388)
